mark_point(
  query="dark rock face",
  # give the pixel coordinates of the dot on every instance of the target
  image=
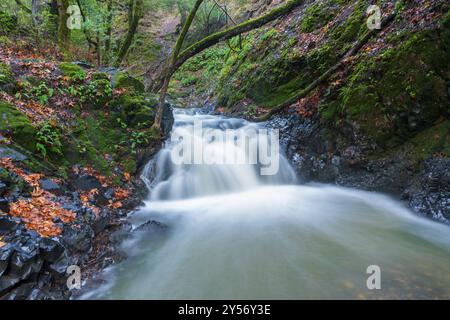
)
(79, 239)
(430, 192)
(49, 185)
(167, 120)
(33, 267)
(24, 260)
(86, 182)
(321, 154)
(6, 152)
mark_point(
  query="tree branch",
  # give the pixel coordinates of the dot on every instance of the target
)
(23, 7)
(235, 31)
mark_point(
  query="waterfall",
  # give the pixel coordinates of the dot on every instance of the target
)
(170, 181)
(235, 234)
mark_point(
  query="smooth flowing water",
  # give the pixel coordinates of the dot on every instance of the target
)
(234, 234)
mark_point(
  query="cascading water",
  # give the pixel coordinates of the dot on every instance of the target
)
(234, 234)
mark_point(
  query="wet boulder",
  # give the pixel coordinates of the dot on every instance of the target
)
(7, 82)
(78, 238)
(2, 188)
(101, 222)
(103, 197)
(51, 250)
(19, 263)
(50, 186)
(120, 234)
(86, 182)
(152, 226)
(123, 80)
(167, 120)
(7, 224)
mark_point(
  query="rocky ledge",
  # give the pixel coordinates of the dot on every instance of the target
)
(321, 154)
(33, 264)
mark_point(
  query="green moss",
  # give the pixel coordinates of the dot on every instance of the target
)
(97, 93)
(8, 23)
(129, 164)
(15, 124)
(269, 34)
(329, 110)
(201, 70)
(354, 25)
(398, 93)
(100, 76)
(316, 16)
(7, 81)
(432, 141)
(5, 41)
(124, 80)
(189, 81)
(136, 110)
(72, 71)
(270, 74)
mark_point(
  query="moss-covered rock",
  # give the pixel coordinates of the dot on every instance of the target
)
(400, 92)
(98, 75)
(15, 124)
(316, 16)
(97, 92)
(124, 80)
(136, 110)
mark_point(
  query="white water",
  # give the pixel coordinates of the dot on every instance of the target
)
(236, 235)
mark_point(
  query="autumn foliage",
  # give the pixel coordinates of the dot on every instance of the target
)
(40, 212)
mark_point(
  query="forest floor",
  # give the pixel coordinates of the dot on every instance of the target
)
(70, 157)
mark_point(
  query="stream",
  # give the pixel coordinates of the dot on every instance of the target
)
(236, 234)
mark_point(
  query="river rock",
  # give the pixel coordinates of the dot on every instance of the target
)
(152, 226)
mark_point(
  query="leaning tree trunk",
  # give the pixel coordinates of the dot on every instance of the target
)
(173, 59)
(179, 58)
(135, 14)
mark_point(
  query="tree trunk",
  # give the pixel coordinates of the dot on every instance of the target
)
(178, 59)
(106, 54)
(235, 31)
(98, 50)
(135, 13)
(63, 30)
(183, 12)
(91, 42)
(172, 61)
(34, 18)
